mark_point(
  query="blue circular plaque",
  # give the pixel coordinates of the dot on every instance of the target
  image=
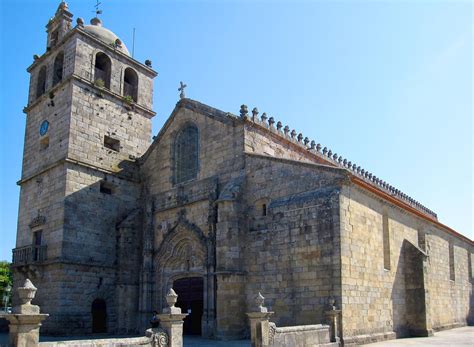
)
(44, 127)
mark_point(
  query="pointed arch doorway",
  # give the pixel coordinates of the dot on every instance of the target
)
(190, 292)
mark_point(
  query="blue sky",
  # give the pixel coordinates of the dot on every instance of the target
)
(387, 84)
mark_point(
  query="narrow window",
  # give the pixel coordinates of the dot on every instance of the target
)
(41, 83)
(58, 68)
(386, 242)
(264, 210)
(186, 153)
(54, 38)
(37, 241)
(106, 188)
(44, 143)
(102, 70)
(130, 84)
(452, 275)
(111, 143)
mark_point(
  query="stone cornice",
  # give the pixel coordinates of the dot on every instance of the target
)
(143, 110)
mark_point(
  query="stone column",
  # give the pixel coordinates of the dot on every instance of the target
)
(25, 321)
(171, 324)
(333, 317)
(259, 323)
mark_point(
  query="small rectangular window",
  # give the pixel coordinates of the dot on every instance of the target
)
(106, 188)
(452, 275)
(44, 143)
(111, 143)
(37, 241)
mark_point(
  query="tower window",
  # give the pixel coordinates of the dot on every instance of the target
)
(41, 83)
(58, 68)
(130, 84)
(54, 38)
(111, 143)
(186, 154)
(264, 210)
(44, 143)
(106, 188)
(103, 66)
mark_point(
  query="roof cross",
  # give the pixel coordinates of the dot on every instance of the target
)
(97, 11)
(181, 90)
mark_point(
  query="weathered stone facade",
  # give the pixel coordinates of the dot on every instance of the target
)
(108, 222)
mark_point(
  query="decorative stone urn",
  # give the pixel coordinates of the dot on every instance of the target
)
(171, 320)
(25, 321)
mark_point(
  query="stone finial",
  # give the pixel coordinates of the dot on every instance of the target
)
(171, 299)
(370, 176)
(344, 162)
(339, 160)
(358, 169)
(300, 137)
(362, 172)
(286, 130)
(118, 43)
(318, 147)
(329, 153)
(259, 300)
(271, 121)
(279, 126)
(325, 150)
(334, 157)
(264, 117)
(354, 167)
(80, 22)
(148, 62)
(306, 141)
(349, 164)
(313, 144)
(35, 57)
(254, 113)
(27, 292)
(244, 111)
(293, 134)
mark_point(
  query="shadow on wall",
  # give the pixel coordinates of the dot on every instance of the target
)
(398, 298)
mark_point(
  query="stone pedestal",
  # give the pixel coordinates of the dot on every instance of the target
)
(25, 321)
(171, 324)
(333, 318)
(259, 324)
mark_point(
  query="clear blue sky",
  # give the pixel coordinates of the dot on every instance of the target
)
(387, 84)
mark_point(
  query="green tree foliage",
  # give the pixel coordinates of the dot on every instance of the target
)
(6, 278)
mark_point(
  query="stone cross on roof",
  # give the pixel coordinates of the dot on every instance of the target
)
(181, 90)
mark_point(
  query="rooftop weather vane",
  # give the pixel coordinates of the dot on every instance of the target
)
(97, 11)
(181, 90)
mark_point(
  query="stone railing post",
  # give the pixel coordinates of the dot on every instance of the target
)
(334, 321)
(170, 332)
(25, 321)
(259, 323)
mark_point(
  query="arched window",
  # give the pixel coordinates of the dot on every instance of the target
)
(41, 83)
(186, 154)
(58, 68)
(102, 70)
(99, 316)
(130, 84)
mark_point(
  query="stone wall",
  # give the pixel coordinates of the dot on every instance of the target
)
(293, 256)
(374, 298)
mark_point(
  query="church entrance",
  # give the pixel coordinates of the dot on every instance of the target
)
(190, 300)
(99, 316)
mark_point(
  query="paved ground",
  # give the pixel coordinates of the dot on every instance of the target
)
(455, 337)
(188, 341)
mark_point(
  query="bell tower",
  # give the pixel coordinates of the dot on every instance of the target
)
(88, 119)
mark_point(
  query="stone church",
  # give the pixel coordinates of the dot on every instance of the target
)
(218, 206)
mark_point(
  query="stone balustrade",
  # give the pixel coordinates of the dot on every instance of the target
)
(334, 158)
(29, 254)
